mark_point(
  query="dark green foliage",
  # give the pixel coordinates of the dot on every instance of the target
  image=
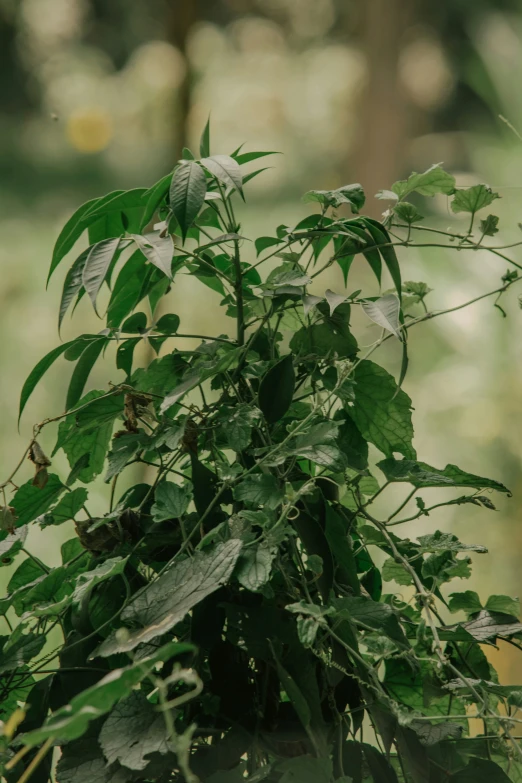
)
(224, 620)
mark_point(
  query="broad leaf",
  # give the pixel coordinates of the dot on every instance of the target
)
(71, 721)
(153, 198)
(260, 489)
(187, 193)
(157, 249)
(480, 770)
(488, 625)
(204, 144)
(30, 502)
(171, 501)
(472, 199)
(36, 374)
(83, 369)
(432, 181)
(382, 412)
(420, 474)
(226, 170)
(133, 730)
(254, 566)
(74, 228)
(372, 614)
(72, 284)
(97, 265)
(66, 509)
(167, 324)
(385, 312)
(164, 603)
(246, 157)
(277, 389)
(407, 212)
(20, 648)
(353, 195)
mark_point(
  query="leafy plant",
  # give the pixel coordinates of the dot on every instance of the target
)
(227, 620)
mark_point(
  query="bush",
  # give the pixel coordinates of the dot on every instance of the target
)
(227, 621)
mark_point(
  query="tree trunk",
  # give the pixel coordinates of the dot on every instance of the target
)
(386, 114)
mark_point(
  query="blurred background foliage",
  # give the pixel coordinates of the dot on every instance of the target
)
(98, 95)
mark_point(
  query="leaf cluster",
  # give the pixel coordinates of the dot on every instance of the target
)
(227, 618)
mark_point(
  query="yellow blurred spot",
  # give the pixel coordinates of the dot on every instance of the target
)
(89, 130)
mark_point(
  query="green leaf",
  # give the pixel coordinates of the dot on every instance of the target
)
(351, 443)
(277, 389)
(420, 290)
(27, 572)
(379, 766)
(83, 369)
(11, 545)
(504, 604)
(262, 243)
(30, 501)
(130, 288)
(204, 371)
(125, 209)
(167, 324)
(20, 648)
(123, 450)
(480, 770)
(97, 265)
(340, 544)
(133, 730)
(85, 582)
(153, 198)
(382, 412)
(407, 212)
(472, 199)
(353, 195)
(72, 285)
(172, 501)
(387, 251)
(488, 625)
(157, 249)
(165, 602)
(373, 614)
(319, 445)
(260, 489)
(204, 144)
(66, 508)
(246, 157)
(238, 426)
(432, 181)
(305, 770)
(72, 231)
(489, 226)
(82, 761)
(446, 542)
(187, 193)
(468, 602)
(320, 340)
(420, 474)
(82, 435)
(432, 733)
(226, 170)
(385, 312)
(125, 354)
(254, 566)
(37, 373)
(253, 174)
(71, 721)
(136, 323)
(395, 572)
